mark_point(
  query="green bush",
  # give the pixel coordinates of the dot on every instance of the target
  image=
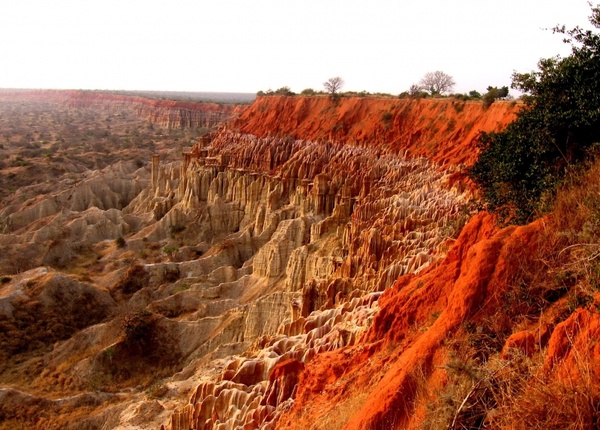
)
(521, 166)
(494, 93)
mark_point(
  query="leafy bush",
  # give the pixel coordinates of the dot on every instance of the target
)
(285, 91)
(518, 167)
(494, 93)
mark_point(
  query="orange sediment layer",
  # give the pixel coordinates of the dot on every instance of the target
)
(442, 130)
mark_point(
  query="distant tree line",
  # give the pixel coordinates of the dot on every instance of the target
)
(433, 84)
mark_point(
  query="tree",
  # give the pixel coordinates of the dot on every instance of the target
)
(333, 85)
(437, 83)
(494, 93)
(558, 125)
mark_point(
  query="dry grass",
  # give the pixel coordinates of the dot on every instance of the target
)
(514, 394)
(337, 418)
(550, 282)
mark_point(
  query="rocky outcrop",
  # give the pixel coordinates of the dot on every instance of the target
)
(385, 220)
(327, 237)
(453, 290)
(51, 228)
(253, 391)
(289, 241)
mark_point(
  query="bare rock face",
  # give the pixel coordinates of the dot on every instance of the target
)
(443, 131)
(253, 391)
(326, 240)
(49, 229)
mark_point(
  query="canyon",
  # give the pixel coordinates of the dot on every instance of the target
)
(301, 263)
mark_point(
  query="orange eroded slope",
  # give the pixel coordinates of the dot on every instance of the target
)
(405, 342)
(443, 130)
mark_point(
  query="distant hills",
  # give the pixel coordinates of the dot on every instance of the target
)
(212, 97)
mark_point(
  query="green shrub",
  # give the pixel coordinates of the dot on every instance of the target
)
(520, 167)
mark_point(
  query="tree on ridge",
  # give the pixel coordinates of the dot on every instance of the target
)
(437, 83)
(333, 86)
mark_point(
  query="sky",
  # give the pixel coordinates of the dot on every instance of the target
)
(251, 45)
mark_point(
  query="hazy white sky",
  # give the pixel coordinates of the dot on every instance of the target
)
(251, 45)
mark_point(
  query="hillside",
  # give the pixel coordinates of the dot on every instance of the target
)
(298, 267)
(443, 131)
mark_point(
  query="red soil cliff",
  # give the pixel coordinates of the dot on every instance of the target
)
(442, 130)
(378, 383)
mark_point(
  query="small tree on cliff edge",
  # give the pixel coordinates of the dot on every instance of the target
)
(437, 83)
(333, 86)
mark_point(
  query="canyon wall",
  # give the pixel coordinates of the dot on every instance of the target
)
(335, 219)
(442, 130)
(167, 113)
(301, 264)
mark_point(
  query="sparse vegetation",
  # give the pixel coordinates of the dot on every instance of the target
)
(36, 322)
(175, 229)
(170, 250)
(134, 280)
(386, 118)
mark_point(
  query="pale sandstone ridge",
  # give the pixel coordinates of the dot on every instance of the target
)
(372, 214)
(51, 228)
(303, 226)
(252, 392)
